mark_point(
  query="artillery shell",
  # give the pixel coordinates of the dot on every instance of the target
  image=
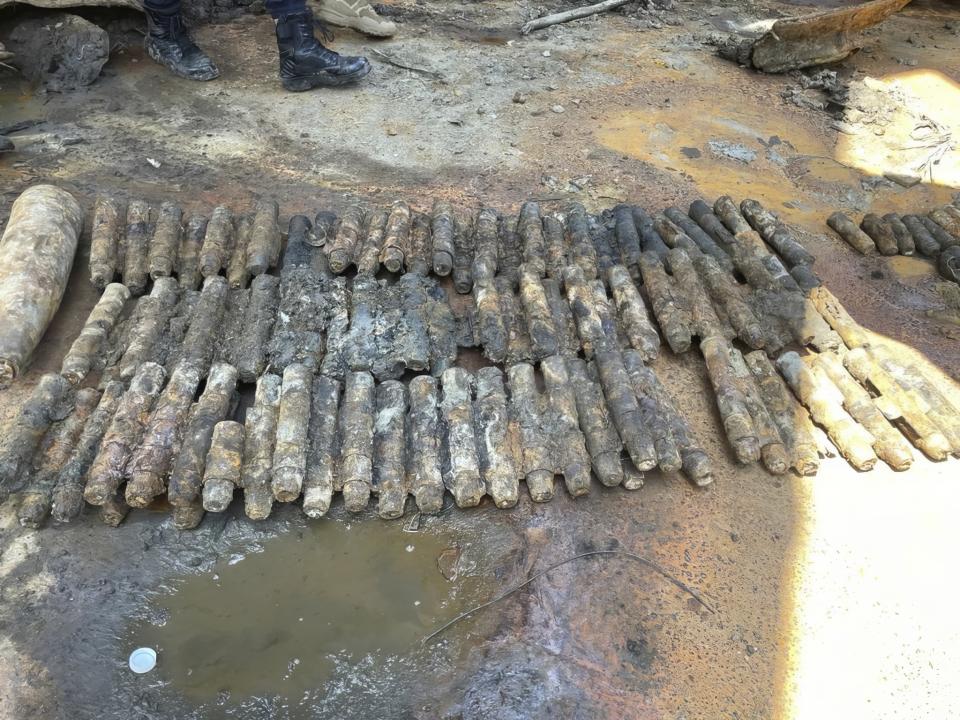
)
(150, 462)
(115, 510)
(607, 315)
(554, 253)
(104, 240)
(123, 435)
(823, 401)
(539, 317)
(136, 246)
(890, 446)
(299, 251)
(463, 248)
(514, 321)
(491, 329)
(338, 329)
(805, 278)
(318, 482)
(706, 323)
(486, 235)
(949, 264)
(946, 220)
(237, 274)
(263, 249)
(704, 216)
(573, 459)
(293, 424)
(650, 240)
(389, 449)
(604, 243)
(420, 246)
(905, 244)
(632, 313)
(462, 475)
(838, 318)
(324, 229)
(153, 314)
(582, 252)
(234, 324)
(356, 440)
(509, 253)
(924, 241)
(426, 481)
(881, 234)
(731, 401)
(250, 354)
(188, 517)
(653, 415)
(583, 307)
(260, 432)
(188, 258)
(397, 237)
(563, 322)
(703, 240)
(775, 234)
(59, 445)
(943, 238)
(441, 230)
(412, 339)
(530, 227)
(221, 474)
(201, 337)
(166, 241)
(852, 235)
(625, 410)
(536, 453)
(213, 406)
(496, 457)
(217, 243)
(673, 236)
(628, 240)
(773, 451)
(726, 209)
(670, 306)
(603, 442)
(442, 329)
(85, 350)
(341, 253)
(725, 292)
(368, 258)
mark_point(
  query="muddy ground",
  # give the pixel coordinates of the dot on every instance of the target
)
(824, 591)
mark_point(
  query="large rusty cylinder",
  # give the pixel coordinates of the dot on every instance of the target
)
(221, 473)
(604, 244)
(234, 322)
(836, 315)
(250, 351)
(293, 426)
(463, 247)
(607, 315)
(706, 322)
(530, 227)
(67, 496)
(371, 244)
(775, 233)
(413, 338)
(805, 278)
(923, 240)
(897, 405)
(602, 440)
(727, 294)
(539, 316)
(943, 238)
(573, 459)
(731, 400)
(889, 445)
(537, 454)
(881, 234)
(338, 329)
(201, 338)
(218, 242)
(509, 251)
(486, 245)
(726, 209)
(389, 449)
(441, 232)
(673, 236)
(396, 239)
(583, 307)
(905, 243)
(151, 461)
(214, 405)
(114, 511)
(55, 450)
(628, 239)
(298, 252)
(419, 254)
(442, 329)
(518, 335)
(495, 447)
(188, 517)
(188, 257)
(654, 416)
(423, 445)
(555, 253)
(324, 229)
(701, 237)
(825, 404)
(123, 436)
(263, 248)
(85, 350)
(702, 214)
(669, 302)
(342, 252)
(153, 314)
(462, 465)
(365, 311)
(491, 330)
(318, 483)
(136, 246)
(105, 260)
(855, 237)
(582, 253)
(237, 274)
(773, 449)
(624, 409)
(166, 241)
(260, 434)
(356, 440)
(564, 325)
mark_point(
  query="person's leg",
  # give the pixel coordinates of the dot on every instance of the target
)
(168, 42)
(357, 15)
(304, 62)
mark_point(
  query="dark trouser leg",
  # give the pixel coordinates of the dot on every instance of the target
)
(162, 7)
(279, 8)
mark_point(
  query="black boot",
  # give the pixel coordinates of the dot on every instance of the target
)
(305, 63)
(169, 44)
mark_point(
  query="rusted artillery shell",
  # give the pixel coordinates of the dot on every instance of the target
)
(260, 432)
(213, 406)
(495, 447)
(924, 241)
(824, 402)
(726, 209)
(905, 244)
(838, 318)
(573, 459)
(607, 315)
(221, 474)
(582, 252)
(199, 343)
(530, 227)
(426, 479)
(293, 425)
(321, 455)
(805, 278)
(188, 258)
(673, 236)
(705, 321)
(703, 240)
(104, 241)
(889, 445)
(463, 248)
(851, 234)
(115, 510)
(126, 428)
(603, 442)
(85, 350)
(462, 473)
(324, 229)
(150, 463)
(539, 317)
(949, 264)
(628, 240)
(775, 234)
(563, 322)
(725, 293)
(136, 246)
(356, 440)
(250, 355)
(650, 240)
(487, 239)
(56, 449)
(237, 274)
(624, 409)
(166, 241)
(773, 451)
(217, 243)
(526, 410)
(670, 306)
(419, 252)
(514, 321)
(943, 238)
(604, 244)
(492, 333)
(153, 314)
(188, 517)
(703, 215)
(881, 234)
(583, 307)
(555, 253)
(341, 253)
(368, 257)
(396, 239)
(442, 329)
(509, 252)
(654, 416)
(441, 231)
(945, 219)
(263, 249)
(731, 401)
(412, 338)
(389, 449)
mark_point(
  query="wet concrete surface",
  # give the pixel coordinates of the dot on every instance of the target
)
(601, 637)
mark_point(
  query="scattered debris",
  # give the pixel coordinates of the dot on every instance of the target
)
(568, 15)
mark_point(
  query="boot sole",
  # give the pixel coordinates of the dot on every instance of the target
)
(308, 82)
(360, 24)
